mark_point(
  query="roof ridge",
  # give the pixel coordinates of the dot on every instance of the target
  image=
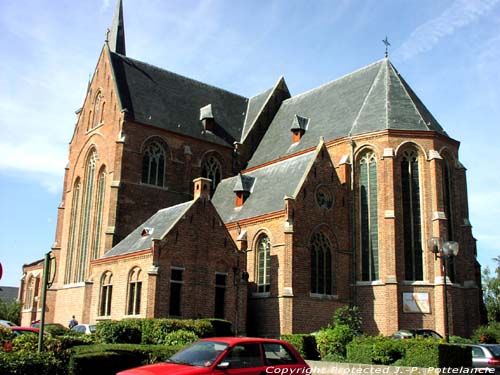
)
(284, 159)
(334, 81)
(396, 73)
(370, 90)
(179, 75)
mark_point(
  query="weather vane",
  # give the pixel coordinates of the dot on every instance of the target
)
(387, 44)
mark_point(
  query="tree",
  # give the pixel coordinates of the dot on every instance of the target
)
(10, 310)
(491, 292)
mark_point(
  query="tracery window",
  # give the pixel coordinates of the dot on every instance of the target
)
(106, 294)
(211, 169)
(263, 264)
(322, 281)
(153, 164)
(87, 205)
(448, 210)
(70, 259)
(30, 293)
(368, 217)
(101, 184)
(134, 292)
(412, 226)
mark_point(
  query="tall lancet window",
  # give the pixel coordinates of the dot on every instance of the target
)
(210, 168)
(70, 258)
(153, 164)
(322, 280)
(97, 112)
(368, 217)
(448, 210)
(412, 226)
(85, 220)
(99, 205)
(263, 264)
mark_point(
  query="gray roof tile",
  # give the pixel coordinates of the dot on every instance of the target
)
(158, 227)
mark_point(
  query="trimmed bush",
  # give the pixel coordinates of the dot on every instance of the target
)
(489, 334)
(305, 345)
(180, 337)
(29, 363)
(127, 331)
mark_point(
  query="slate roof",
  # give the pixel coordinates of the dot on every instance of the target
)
(158, 226)
(373, 98)
(270, 185)
(163, 99)
(255, 105)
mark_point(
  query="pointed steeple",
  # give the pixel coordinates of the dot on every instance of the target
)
(116, 35)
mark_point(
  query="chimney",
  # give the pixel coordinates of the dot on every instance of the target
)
(299, 127)
(202, 188)
(207, 118)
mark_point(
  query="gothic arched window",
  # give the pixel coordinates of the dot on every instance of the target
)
(134, 292)
(99, 206)
(70, 257)
(368, 216)
(412, 226)
(153, 164)
(106, 294)
(87, 205)
(97, 112)
(263, 264)
(448, 210)
(322, 281)
(211, 168)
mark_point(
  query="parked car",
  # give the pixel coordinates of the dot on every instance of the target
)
(18, 331)
(485, 356)
(412, 333)
(52, 328)
(7, 323)
(229, 355)
(86, 329)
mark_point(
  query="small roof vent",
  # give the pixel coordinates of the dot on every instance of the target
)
(244, 183)
(206, 112)
(147, 232)
(299, 127)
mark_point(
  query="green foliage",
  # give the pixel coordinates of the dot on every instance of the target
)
(460, 340)
(6, 337)
(489, 334)
(221, 328)
(491, 292)
(332, 342)
(350, 317)
(111, 358)
(386, 351)
(29, 363)
(152, 331)
(305, 345)
(181, 337)
(10, 310)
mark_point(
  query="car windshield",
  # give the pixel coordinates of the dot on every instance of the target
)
(201, 353)
(92, 328)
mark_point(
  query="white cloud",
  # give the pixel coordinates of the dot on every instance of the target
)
(427, 35)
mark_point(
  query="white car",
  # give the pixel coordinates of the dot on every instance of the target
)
(84, 328)
(7, 323)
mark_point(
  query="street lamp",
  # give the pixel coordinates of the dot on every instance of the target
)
(444, 250)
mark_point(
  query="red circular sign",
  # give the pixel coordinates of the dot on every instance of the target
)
(1, 271)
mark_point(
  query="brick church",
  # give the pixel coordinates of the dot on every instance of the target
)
(185, 200)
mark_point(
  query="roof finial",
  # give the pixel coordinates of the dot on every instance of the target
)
(387, 44)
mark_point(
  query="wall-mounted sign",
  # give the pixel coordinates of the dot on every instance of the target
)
(416, 303)
(1, 271)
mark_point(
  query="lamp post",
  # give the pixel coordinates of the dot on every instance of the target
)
(444, 250)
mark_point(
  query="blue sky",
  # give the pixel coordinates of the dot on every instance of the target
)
(448, 51)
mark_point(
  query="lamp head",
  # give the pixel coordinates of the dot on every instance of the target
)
(435, 244)
(450, 248)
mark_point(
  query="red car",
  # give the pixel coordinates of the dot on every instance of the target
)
(24, 330)
(230, 355)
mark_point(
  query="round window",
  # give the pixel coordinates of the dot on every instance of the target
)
(324, 197)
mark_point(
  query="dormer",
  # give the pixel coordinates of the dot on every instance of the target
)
(299, 127)
(243, 188)
(207, 118)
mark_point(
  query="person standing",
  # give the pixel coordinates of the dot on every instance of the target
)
(73, 322)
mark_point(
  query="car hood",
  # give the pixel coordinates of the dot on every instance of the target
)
(165, 368)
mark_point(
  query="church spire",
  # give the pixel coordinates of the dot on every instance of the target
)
(116, 35)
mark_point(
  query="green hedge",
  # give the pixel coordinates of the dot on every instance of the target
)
(305, 345)
(111, 358)
(413, 352)
(29, 363)
(156, 331)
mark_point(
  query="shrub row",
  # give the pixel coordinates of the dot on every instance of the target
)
(160, 331)
(111, 358)
(413, 352)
